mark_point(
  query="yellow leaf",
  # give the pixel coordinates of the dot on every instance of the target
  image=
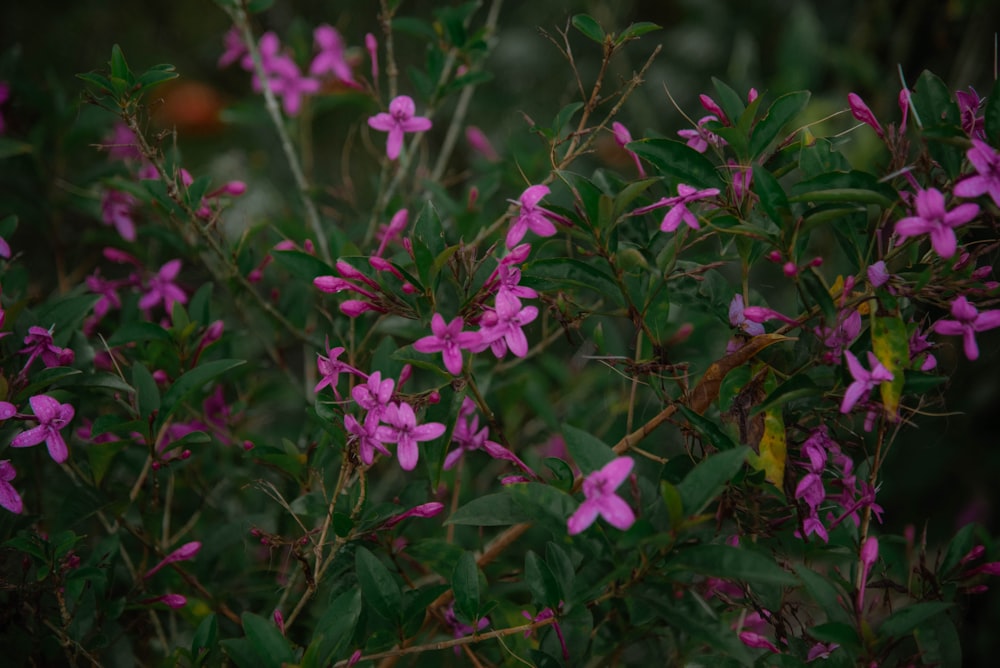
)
(892, 348)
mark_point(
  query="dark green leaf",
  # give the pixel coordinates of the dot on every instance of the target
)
(378, 587)
(797, 387)
(575, 273)
(589, 452)
(772, 196)
(565, 116)
(138, 330)
(192, 381)
(465, 585)
(147, 394)
(206, 636)
(939, 642)
(782, 112)
(991, 116)
(824, 593)
(636, 30)
(11, 147)
(707, 480)
(119, 68)
(841, 633)
(242, 652)
(490, 510)
(302, 265)
(589, 27)
(820, 295)
(629, 193)
(677, 159)
(334, 630)
(708, 429)
(541, 582)
(562, 570)
(733, 563)
(271, 647)
(902, 622)
(728, 99)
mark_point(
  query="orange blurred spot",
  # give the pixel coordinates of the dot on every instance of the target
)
(190, 106)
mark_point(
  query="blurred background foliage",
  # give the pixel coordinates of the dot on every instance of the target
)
(942, 473)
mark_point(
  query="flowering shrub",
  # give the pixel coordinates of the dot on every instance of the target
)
(576, 416)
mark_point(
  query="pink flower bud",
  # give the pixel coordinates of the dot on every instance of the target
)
(434, 397)
(790, 269)
(248, 445)
(861, 112)
(757, 641)
(371, 45)
(183, 553)
(284, 245)
(774, 256)
(255, 275)
(308, 247)
(473, 197)
(352, 308)
(121, 257)
(279, 621)
(480, 143)
(213, 333)
(409, 288)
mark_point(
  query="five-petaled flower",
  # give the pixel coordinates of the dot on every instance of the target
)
(449, 340)
(599, 489)
(864, 380)
(9, 498)
(986, 180)
(933, 219)
(403, 430)
(163, 289)
(398, 121)
(502, 326)
(678, 207)
(533, 217)
(52, 417)
(967, 321)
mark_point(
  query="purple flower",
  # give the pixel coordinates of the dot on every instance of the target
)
(399, 120)
(700, 138)
(9, 498)
(331, 368)
(480, 143)
(175, 601)
(986, 161)
(503, 328)
(331, 55)
(861, 112)
(163, 289)
(932, 218)
(423, 510)
(449, 340)
(864, 380)
(404, 431)
(967, 321)
(738, 319)
(52, 417)
(533, 217)
(38, 343)
(623, 137)
(374, 394)
(599, 489)
(757, 641)
(235, 49)
(878, 274)
(367, 435)
(116, 210)
(183, 553)
(840, 335)
(679, 212)
(509, 279)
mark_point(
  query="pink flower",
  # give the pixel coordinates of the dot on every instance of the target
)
(623, 138)
(599, 489)
(163, 289)
(374, 394)
(367, 436)
(116, 210)
(404, 431)
(449, 340)
(4, 96)
(503, 328)
(700, 138)
(175, 601)
(331, 55)
(9, 498)
(52, 417)
(399, 120)
(331, 368)
(183, 553)
(986, 161)
(38, 343)
(738, 319)
(533, 217)
(864, 380)
(480, 143)
(878, 274)
(678, 207)
(757, 641)
(371, 46)
(933, 219)
(967, 321)
(235, 49)
(861, 112)
(424, 510)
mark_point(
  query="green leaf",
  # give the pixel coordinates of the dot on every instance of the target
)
(490, 510)
(733, 563)
(589, 452)
(545, 504)
(97, 80)
(271, 647)
(635, 30)
(147, 394)
(541, 582)
(939, 642)
(782, 112)
(562, 570)
(707, 480)
(565, 116)
(378, 587)
(902, 622)
(154, 76)
(193, 380)
(334, 630)
(708, 430)
(11, 147)
(302, 265)
(206, 636)
(100, 456)
(138, 330)
(843, 196)
(820, 295)
(842, 633)
(119, 68)
(629, 193)
(824, 593)
(772, 196)
(465, 584)
(589, 27)
(45, 378)
(677, 159)
(242, 652)
(574, 273)
(891, 346)
(797, 387)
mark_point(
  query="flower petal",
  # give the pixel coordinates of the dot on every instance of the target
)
(582, 518)
(616, 512)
